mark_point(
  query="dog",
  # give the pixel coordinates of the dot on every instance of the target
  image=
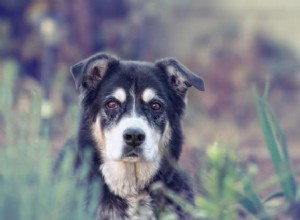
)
(131, 114)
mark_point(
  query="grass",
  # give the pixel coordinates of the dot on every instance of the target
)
(29, 190)
(278, 150)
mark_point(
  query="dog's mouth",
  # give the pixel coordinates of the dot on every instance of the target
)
(132, 156)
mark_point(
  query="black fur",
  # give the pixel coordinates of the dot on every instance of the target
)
(140, 75)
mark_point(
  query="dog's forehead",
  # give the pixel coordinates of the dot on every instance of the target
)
(138, 70)
(134, 76)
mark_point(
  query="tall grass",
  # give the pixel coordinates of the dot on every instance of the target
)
(28, 187)
(279, 152)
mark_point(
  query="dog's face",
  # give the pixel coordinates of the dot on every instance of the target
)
(131, 105)
(132, 113)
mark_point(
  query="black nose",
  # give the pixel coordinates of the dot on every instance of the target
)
(134, 136)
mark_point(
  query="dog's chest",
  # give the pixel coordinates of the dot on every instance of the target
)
(128, 181)
(140, 207)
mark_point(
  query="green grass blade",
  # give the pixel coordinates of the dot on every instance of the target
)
(267, 131)
(279, 155)
(291, 179)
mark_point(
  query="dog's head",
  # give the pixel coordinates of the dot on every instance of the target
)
(132, 108)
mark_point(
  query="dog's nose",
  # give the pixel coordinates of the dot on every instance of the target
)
(134, 136)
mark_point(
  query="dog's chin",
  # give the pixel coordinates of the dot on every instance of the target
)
(132, 156)
(132, 159)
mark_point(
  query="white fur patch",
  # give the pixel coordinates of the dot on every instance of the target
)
(115, 142)
(120, 94)
(148, 95)
(127, 179)
(133, 113)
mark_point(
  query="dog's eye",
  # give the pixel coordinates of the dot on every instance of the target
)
(156, 106)
(112, 105)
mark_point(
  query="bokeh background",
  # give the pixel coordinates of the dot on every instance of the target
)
(234, 45)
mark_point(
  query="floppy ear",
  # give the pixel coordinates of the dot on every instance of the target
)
(180, 77)
(89, 72)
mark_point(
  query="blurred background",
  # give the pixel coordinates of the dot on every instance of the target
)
(234, 45)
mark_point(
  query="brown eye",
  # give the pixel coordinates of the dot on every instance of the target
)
(155, 106)
(112, 105)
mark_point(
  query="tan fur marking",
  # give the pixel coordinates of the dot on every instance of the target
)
(165, 139)
(98, 134)
(120, 177)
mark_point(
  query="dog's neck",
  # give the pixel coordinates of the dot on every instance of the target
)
(127, 179)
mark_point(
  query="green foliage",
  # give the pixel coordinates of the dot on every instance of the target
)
(277, 146)
(278, 149)
(29, 189)
(220, 181)
(226, 184)
(6, 98)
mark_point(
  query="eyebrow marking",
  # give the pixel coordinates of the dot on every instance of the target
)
(148, 95)
(120, 94)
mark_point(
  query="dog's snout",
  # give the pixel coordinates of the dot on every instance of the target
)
(134, 136)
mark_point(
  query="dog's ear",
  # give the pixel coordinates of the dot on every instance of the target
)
(89, 72)
(180, 77)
